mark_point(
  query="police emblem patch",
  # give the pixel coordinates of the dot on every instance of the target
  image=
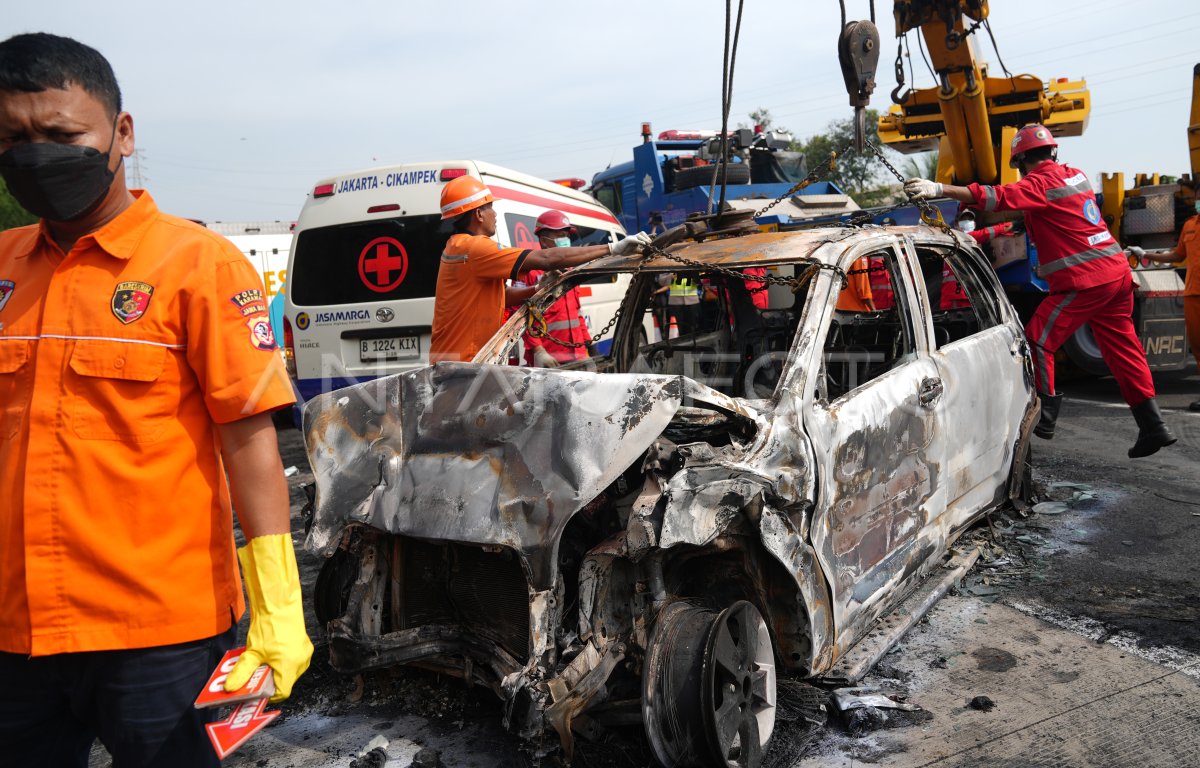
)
(249, 301)
(130, 301)
(261, 335)
(6, 290)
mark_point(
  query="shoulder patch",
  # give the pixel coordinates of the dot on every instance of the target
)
(249, 302)
(261, 335)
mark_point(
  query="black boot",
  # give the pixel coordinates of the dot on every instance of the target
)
(1045, 426)
(1152, 432)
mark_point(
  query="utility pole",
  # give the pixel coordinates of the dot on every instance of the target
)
(135, 169)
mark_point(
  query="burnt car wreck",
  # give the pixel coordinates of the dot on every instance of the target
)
(653, 534)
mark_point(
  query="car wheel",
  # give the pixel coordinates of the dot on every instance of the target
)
(686, 178)
(1084, 352)
(708, 695)
(331, 593)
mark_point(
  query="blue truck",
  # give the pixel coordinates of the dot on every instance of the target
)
(678, 174)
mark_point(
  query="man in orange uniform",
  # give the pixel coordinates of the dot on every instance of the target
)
(468, 305)
(856, 296)
(137, 368)
(1186, 251)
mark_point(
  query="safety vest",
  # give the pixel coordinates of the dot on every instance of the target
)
(684, 287)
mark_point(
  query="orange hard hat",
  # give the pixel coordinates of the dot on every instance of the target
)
(464, 194)
(1030, 137)
(554, 220)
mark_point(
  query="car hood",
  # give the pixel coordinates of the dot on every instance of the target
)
(483, 454)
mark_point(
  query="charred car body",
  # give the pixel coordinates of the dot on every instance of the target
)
(652, 535)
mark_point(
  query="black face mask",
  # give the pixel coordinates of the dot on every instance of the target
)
(58, 182)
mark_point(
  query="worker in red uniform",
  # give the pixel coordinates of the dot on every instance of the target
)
(564, 320)
(1187, 252)
(1089, 277)
(138, 373)
(966, 223)
(469, 300)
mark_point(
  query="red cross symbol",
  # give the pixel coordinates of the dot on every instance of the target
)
(382, 257)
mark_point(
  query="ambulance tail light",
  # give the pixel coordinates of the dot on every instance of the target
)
(323, 190)
(572, 183)
(383, 208)
(289, 348)
(452, 173)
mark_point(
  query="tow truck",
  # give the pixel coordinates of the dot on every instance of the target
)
(971, 117)
(676, 175)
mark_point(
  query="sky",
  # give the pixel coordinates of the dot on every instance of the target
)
(239, 108)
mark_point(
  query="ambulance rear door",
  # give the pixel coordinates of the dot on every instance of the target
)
(363, 274)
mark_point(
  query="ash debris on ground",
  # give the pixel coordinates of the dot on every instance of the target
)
(800, 716)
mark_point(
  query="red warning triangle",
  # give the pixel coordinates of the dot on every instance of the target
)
(247, 719)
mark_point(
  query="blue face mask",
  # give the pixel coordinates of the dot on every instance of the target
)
(562, 242)
(1198, 205)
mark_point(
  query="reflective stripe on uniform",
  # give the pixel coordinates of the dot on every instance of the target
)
(98, 338)
(468, 199)
(1076, 259)
(1039, 352)
(989, 198)
(1076, 185)
(562, 325)
(456, 259)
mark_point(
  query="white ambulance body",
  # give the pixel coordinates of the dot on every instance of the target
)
(266, 244)
(364, 264)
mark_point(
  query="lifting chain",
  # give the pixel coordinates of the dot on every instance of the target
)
(930, 215)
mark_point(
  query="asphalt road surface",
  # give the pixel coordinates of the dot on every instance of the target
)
(1080, 624)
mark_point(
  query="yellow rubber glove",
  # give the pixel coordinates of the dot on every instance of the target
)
(277, 636)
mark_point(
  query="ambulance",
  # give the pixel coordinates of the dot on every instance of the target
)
(365, 256)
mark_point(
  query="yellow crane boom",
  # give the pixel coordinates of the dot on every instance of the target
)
(971, 117)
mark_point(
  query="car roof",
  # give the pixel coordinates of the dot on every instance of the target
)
(764, 249)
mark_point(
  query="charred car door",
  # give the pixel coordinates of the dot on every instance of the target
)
(980, 354)
(874, 425)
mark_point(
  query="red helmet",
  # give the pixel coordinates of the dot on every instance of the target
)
(1030, 137)
(553, 220)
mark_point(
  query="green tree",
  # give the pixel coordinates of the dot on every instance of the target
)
(922, 165)
(861, 175)
(11, 213)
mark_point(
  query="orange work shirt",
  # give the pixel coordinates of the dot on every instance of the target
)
(1189, 248)
(857, 292)
(117, 361)
(468, 306)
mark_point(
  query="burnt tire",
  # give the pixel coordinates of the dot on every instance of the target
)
(708, 686)
(698, 176)
(331, 593)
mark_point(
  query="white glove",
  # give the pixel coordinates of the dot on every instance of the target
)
(543, 359)
(1136, 252)
(630, 245)
(922, 189)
